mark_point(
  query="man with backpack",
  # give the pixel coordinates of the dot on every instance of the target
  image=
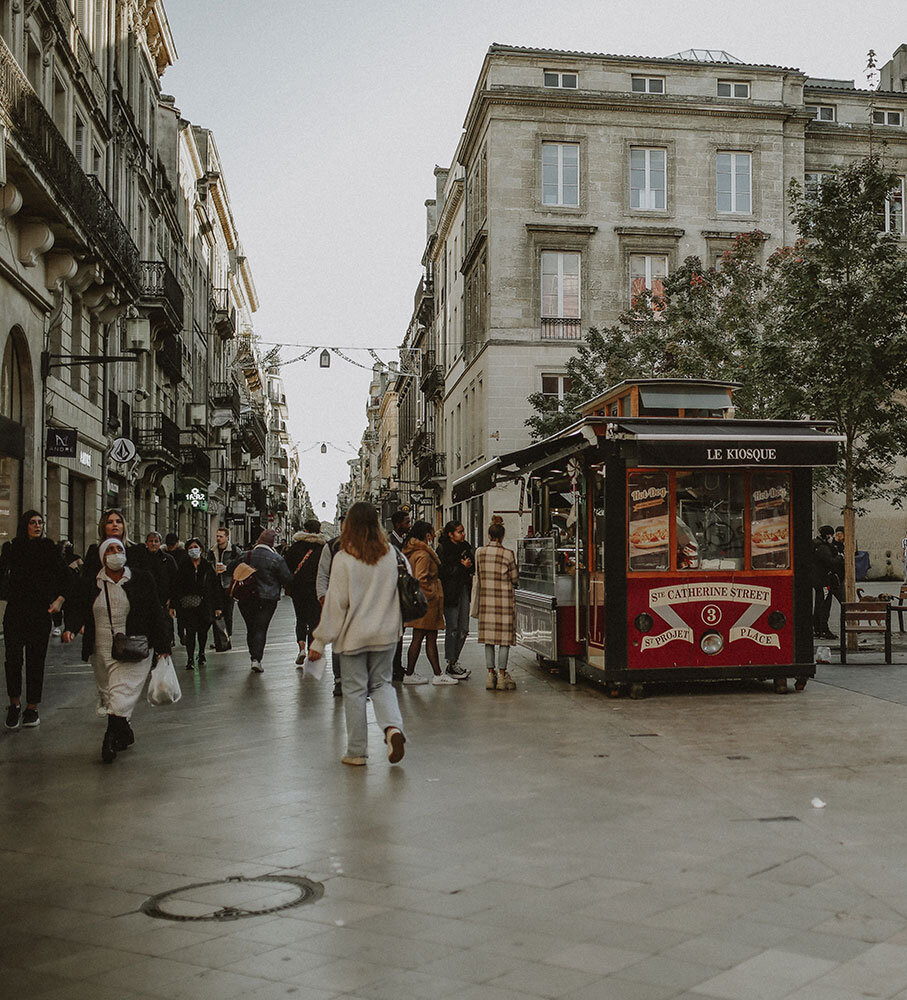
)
(322, 579)
(302, 558)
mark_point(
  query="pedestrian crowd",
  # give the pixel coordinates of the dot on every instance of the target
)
(125, 598)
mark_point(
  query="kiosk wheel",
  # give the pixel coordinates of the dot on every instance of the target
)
(614, 690)
(800, 683)
(637, 691)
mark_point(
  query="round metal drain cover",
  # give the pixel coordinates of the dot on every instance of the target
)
(233, 898)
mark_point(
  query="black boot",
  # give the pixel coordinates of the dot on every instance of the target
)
(124, 736)
(109, 746)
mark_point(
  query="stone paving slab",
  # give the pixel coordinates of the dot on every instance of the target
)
(547, 842)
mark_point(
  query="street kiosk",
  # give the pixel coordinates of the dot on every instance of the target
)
(669, 540)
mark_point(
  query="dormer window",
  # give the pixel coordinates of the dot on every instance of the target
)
(887, 118)
(647, 84)
(821, 112)
(733, 88)
(557, 78)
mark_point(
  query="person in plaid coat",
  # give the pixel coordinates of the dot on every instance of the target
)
(496, 576)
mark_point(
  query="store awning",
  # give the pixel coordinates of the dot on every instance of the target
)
(725, 443)
(478, 481)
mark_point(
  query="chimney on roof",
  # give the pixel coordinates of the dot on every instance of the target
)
(893, 74)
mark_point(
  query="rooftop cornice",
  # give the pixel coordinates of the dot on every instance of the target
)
(451, 204)
(580, 101)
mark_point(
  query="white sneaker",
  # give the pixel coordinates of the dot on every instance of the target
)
(257, 667)
(440, 680)
(414, 679)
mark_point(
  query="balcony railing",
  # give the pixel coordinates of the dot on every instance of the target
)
(170, 357)
(423, 302)
(224, 313)
(84, 197)
(161, 290)
(225, 396)
(561, 328)
(432, 381)
(156, 436)
(255, 432)
(432, 467)
(195, 464)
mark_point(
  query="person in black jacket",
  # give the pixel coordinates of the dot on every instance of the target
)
(827, 572)
(118, 599)
(302, 557)
(35, 585)
(199, 599)
(162, 566)
(224, 556)
(455, 572)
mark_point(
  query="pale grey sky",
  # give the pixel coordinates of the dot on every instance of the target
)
(330, 116)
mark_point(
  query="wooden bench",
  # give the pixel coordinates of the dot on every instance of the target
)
(866, 616)
(900, 606)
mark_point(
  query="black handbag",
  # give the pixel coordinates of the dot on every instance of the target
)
(127, 648)
(221, 638)
(413, 603)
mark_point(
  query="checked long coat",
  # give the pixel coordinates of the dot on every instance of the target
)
(496, 576)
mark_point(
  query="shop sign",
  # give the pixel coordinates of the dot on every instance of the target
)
(198, 499)
(719, 454)
(122, 450)
(85, 458)
(61, 442)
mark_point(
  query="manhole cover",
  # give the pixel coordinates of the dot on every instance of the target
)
(233, 898)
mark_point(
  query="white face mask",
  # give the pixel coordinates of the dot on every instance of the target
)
(115, 561)
(194, 553)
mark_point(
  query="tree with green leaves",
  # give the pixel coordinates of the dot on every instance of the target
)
(839, 297)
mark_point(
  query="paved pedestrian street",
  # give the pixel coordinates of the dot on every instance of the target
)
(546, 842)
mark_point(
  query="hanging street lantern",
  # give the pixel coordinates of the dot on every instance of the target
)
(324, 359)
(324, 448)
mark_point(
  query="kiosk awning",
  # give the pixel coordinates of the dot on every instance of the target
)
(517, 463)
(729, 443)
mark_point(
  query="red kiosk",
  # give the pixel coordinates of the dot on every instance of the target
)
(670, 541)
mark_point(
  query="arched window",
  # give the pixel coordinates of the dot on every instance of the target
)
(11, 383)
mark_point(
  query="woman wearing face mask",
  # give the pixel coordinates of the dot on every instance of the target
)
(112, 525)
(34, 581)
(199, 598)
(119, 599)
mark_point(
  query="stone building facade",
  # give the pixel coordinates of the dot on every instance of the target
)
(125, 297)
(582, 178)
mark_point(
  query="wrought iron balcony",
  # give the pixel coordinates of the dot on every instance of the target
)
(254, 432)
(224, 313)
(162, 295)
(432, 381)
(561, 328)
(156, 436)
(195, 465)
(170, 357)
(225, 396)
(424, 301)
(57, 169)
(432, 467)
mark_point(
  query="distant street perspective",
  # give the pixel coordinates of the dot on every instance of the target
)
(452, 530)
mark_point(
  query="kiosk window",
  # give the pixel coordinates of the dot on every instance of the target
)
(648, 534)
(710, 518)
(770, 520)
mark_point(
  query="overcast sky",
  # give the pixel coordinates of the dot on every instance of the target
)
(330, 116)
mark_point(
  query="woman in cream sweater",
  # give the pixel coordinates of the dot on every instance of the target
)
(361, 620)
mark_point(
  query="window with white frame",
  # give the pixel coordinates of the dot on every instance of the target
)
(887, 118)
(556, 386)
(560, 290)
(560, 174)
(733, 88)
(733, 187)
(894, 209)
(647, 84)
(557, 78)
(812, 184)
(821, 112)
(647, 274)
(648, 179)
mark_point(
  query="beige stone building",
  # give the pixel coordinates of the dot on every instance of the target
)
(582, 178)
(125, 297)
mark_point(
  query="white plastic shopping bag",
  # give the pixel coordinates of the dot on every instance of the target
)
(163, 684)
(315, 668)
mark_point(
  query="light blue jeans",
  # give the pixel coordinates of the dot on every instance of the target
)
(368, 675)
(456, 621)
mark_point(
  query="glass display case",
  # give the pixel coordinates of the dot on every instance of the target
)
(537, 560)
